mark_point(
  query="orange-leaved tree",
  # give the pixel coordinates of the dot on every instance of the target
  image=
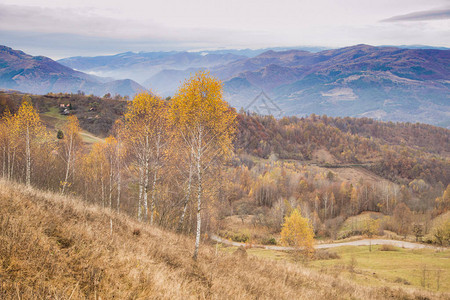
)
(205, 126)
(297, 231)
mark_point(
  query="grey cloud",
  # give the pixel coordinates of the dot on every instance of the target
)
(59, 32)
(60, 45)
(72, 21)
(438, 14)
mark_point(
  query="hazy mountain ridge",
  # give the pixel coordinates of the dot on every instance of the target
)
(380, 82)
(40, 75)
(386, 83)
(143, 66)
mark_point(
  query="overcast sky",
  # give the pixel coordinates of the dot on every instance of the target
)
(61, 28)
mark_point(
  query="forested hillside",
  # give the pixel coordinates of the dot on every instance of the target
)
(397, 151)
(333, 168)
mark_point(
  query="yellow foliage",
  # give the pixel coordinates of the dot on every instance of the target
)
(297, 231)
(372, 227)
(72, 127)
(145, 126)
(28, 118)
(145, 115)
(198, 107)
(443, 203)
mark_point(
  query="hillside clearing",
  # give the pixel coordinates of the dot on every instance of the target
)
(54, 121)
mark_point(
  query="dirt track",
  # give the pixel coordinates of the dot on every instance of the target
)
(366, 242)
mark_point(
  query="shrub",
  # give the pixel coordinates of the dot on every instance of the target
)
(269, 241)
(386, 247)
(325, 254)
(442, 233)
(240, 237)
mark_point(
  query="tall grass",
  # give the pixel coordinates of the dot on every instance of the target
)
(54, 247)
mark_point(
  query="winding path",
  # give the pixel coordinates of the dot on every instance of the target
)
(365, 242)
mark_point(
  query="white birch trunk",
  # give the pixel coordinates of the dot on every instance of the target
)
(119, 176)
(28, 158)
(69, 158)
(102, 184)
(141, 181)
(4, 163)
(199, 194)
(110, 184)
(187, 196)
(9, 163)
(12, 165)
(146, 174)
(155, 178)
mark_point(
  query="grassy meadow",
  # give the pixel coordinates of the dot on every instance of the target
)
(426, 269)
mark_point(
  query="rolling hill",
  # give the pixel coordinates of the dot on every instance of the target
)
(40, 75)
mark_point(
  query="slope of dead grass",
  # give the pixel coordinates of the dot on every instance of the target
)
(54, 247)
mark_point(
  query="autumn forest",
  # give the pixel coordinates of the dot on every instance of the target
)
(165, 160)
(192, 165)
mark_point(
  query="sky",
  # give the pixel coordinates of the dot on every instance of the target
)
(58, 29)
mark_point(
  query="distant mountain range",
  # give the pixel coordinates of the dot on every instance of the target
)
(159, 71)
(40, 75)
(162, 72)
(386, 83)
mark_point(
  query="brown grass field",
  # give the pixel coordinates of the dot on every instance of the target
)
(54, 247)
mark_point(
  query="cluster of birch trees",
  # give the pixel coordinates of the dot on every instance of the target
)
(157, 164)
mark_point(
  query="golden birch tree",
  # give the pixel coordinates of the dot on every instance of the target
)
(9, 136)
(30, 130)
(120, 153)
(205, 125)
(298, 232)
(98, 169)
(146, 128)
(69, 147)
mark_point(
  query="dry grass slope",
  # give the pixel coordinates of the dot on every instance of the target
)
(54, 247)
